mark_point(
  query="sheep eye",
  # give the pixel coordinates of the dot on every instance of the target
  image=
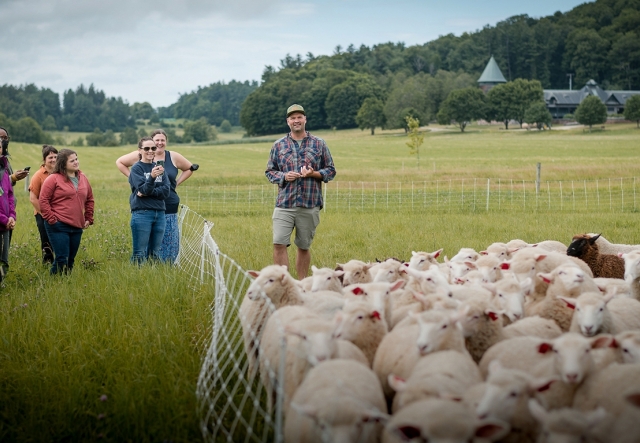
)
(475, 317)
(271, 280)
(513, 394)
(429, 279)
(601, 309)
(360, 317)
(625, 350)
(444, 326)
(500, 295)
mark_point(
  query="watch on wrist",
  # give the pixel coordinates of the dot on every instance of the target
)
(194, 167)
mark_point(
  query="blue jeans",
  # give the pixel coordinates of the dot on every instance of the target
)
(65, 241)
(147, 230)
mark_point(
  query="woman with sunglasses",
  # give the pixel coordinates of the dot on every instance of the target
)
(149, 189)
(173, 163)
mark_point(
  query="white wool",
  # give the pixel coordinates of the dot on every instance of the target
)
(355, 271)
(326, 279)
(422, 260)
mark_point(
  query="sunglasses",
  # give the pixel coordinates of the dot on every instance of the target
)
(146, 148)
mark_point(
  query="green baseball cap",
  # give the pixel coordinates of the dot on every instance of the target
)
(295, 108)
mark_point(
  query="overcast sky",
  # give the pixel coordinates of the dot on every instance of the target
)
(143, 50)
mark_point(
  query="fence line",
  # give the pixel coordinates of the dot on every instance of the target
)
(454, 195)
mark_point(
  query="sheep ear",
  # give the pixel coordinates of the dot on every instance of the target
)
(609, 296)
(437, 253)
(621, 254)
(592, 240)
(540, 257)
(603, 341)
(254, 274)
(314, 268)
(397, 285)
(541, 385)
(413, 253)
(398, 384)
(536, 409)
(288, 329)
(339, 273)
(547, 278)
(446, 260)
(471, 264)
(492, 430)
(484, 253)
(570, 302)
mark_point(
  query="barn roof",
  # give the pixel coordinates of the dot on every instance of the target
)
(492, 73)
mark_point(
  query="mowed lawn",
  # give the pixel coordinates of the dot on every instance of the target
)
(112, 352)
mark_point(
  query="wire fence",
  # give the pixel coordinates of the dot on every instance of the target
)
(455, 195)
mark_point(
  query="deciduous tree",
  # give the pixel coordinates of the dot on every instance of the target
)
(371, 114)
(416, 138)
(463, 106)
(591, 112)
(632, 109)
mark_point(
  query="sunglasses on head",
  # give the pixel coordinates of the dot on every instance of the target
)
(146, 148)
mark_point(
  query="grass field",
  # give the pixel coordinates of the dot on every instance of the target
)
(113, 352)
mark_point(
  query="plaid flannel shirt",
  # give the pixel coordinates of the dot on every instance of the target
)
(287, 156)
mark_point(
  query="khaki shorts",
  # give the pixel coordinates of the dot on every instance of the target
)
(305, 220)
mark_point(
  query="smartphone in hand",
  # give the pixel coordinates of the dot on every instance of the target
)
(27, 168)
(160, 163)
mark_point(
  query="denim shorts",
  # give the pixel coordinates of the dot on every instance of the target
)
(305, 220)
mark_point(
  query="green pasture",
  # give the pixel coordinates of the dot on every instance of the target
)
(113, 352)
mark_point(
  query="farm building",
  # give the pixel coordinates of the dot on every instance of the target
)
(562, 101)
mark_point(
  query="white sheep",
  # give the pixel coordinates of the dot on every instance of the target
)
(445, 374)
(387, 271)
(606, 247)
(566, 425)
(440, 330)
(325, 279)
(481, 324)
(509, 295)
(355, 271)
(378, 294)
(436, 420)
(465, 255)
(529, 262)
(490, 267)
(323, 303)
(272, 288)
(533, 326)
(362, 324)
(632, 272)
(422, 260)
(506, 397)
(617, 286)
(552, 245)
(308, 341)
(339, 401)
(499, 250)
(608, 387)
(595, 314)
(456, 270)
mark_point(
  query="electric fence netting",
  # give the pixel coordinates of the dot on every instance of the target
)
(232, 401)
(453, 195)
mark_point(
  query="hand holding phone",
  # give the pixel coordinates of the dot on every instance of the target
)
(27, 168)
(160, 163)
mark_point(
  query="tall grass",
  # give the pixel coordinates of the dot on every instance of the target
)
(113, 351)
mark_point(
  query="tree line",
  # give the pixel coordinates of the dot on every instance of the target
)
(596, 40)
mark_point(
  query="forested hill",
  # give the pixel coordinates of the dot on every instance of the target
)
(598, 40)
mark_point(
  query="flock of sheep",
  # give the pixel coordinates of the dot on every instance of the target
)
(518, 343)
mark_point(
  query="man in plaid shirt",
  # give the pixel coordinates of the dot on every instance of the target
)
(298, 164)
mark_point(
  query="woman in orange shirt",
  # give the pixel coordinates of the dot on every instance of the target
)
(49, 155)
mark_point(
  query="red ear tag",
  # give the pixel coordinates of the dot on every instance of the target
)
(357, 290)
(376, 315)
(493, 316)
(505, 265)
(544, 348)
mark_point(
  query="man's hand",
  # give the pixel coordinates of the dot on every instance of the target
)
(19, 175)
(291, 176)
(306, 172)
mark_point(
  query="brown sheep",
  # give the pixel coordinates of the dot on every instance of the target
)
(584, 247)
